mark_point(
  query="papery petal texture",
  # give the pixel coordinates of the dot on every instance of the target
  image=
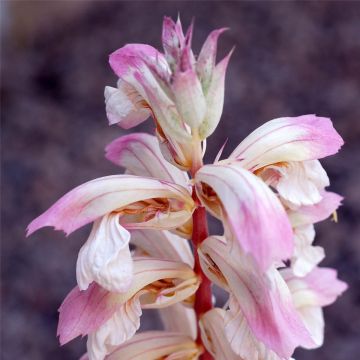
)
(163, 245)
(153, 345)
(140, 155)
(119, 328)
(179, 318)
(125, 106)
(306, 137)
(305, 215)
(98, 197)
(105, 257)
(249, 208)
(264, 299)
(212, 328)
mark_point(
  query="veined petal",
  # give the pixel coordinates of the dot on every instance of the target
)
(214, 96)
(82, 312)
(249, 208)
(98, 197)
(125, 106)
(310, 214)
(264, 299)
(241, 338)
(105, 257)
(179, 318)
(306, 137)
(319, 288)
(153, 345)
(156, 282)
(206, 60)
(119, 328)
(137, 57)
(140, 154)
(213, 335)
(298, 182)
(306, 256)
(163, 245)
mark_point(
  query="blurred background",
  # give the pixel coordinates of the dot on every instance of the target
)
(291, 58)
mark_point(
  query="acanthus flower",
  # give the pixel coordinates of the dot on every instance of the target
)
(185, 96)
(268, 195)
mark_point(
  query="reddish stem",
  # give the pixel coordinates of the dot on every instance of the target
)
(203, 298)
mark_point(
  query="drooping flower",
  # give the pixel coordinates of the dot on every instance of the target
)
(117, 204)
(284, 152)
(250, 212)
(185, 96)
(260, 303)
(110, 318)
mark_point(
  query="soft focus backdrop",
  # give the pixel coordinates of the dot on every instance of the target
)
(291, 58)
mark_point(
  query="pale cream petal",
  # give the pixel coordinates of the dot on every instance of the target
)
(179, 318)
(212, 329)
(119, 328)
(105, 257)
(164, 245)
(155, 345)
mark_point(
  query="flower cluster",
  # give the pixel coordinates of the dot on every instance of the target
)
(268, 194)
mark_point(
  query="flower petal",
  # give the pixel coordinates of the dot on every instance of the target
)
(214, 95)
(98, 197)
(305, 256)
(298, 182)
(125, 106)
(179, 318)
(82, 312)
(264, 299)
(304, 215)
(119, 328)
(153, 345)
(163, 245)
(213, 335)
(306, 137)
(140, 154)
(255, 216)
(105, 257)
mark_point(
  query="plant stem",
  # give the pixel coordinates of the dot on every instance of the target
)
(203, 296)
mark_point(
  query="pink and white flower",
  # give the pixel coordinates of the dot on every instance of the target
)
(184, 96)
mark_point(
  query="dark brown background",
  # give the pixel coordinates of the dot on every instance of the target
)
(291, 58)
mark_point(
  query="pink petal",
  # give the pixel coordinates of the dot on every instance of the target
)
(325, 284)
(98, 197)
(250, 209)
(84, 311)
(310, 214)
(140, 155)
(263, 298)
(306, 137)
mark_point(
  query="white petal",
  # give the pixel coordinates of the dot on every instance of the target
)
(213, 335)
(119, 328)
(305, 256)
(179, 318)
(313, 318)
(105, 257)
(125, 106)
(163, 244)
(298, 182)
